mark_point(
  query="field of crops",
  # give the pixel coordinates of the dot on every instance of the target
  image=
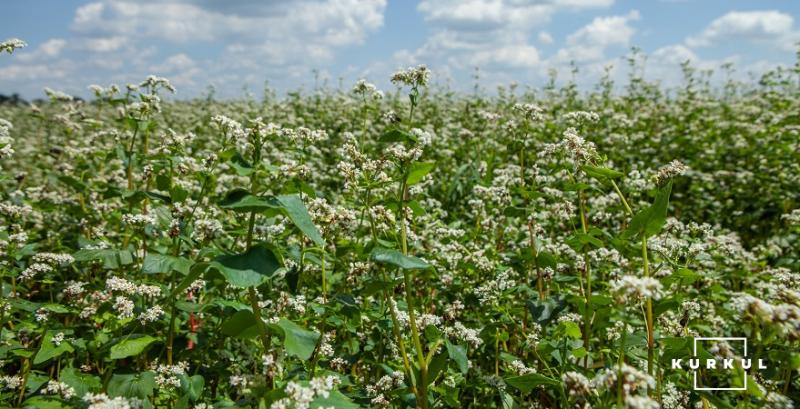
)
(415, 247)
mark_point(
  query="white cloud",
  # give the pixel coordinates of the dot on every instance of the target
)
(492, 34)
(34, 72)
(469, 15)
(545, 38)
(277, 39)
(523, 56)
(280, 30)
(177, 62)
(766, 27)
(49, 49)
(105, 44)
(589, 43)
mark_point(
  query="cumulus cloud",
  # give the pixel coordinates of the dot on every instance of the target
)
(766, 27)
(590, 42)
(278, 29)
(233, 43)
(47, 50)
(252, 40)
(545, 38)
(492, 34)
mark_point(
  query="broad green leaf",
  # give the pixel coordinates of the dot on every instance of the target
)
(43, 402)
(111, 258)
(601, 172)
(192, 386)
(81, 382)
(131, 346)
(139, 385)
(194, 273)
(242, 324)
(248, 269)
(335, 399)
(508, 400)
(418, 170)
(160, 263)
(526, 383)
(298, 214)
(297, 340)
(437, 365)
(396, 135)
(73, 183)
(49, 349)
(459, 355)
(544, 311)
(240, 200)
(396, 258)
(242, 166)
(571, 329)
(650, 220)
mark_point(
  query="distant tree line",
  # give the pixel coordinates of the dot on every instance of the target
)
(13, 99)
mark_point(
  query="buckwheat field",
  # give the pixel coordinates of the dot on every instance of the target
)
(410, 247)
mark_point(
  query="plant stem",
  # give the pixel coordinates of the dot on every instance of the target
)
(399, 340)
(649, 312)
(622, 197)
(587, 322)
(422, 395)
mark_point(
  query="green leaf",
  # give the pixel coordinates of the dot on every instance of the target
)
(111, 258)
(159, 263)
(49, 350)
(650, 220)
(396, 258)
(240, 200)
(242, 166)
(42, 402)
(194, 273)
(437, 364)
(417, 171)
(297, 340)
(298, 214)
(81, 382)
(526, 383)
(544, 311)
(459, 355)
(601, 172)
(73, 183)
(132, 385)
(193, 386)
(248, 269)
(571, 329)
(396, 135)
(242, 324)
(335, 399)
(132, 346)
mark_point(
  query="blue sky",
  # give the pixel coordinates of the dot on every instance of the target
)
(237, 44)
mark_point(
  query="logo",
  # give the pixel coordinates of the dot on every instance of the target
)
(728, 365)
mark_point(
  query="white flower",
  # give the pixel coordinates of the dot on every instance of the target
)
(59, 388)
(151, 315)
(413, 76)
(168, 376)
(530, 111)
(54, 259)
(102, 401)
(33, 270)
(124, 307)
(138, 220)
(12, 44)
(674, 168)
(636, 288)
